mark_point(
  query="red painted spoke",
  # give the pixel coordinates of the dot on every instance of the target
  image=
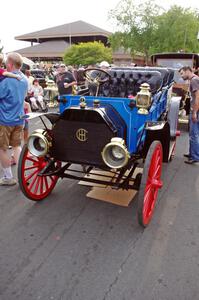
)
(31, 175)
(32, 183)
(147, 187)
(157, 172)
(41, 185)
(53, 179)
(148, 199)
(32, 167)
(37, 185)
(147, 190)
(46, 182)
(31, 159)
(153, 167)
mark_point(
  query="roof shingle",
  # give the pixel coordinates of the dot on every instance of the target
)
(78, 28)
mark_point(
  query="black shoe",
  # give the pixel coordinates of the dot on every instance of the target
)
(192, 162)
(186, 155)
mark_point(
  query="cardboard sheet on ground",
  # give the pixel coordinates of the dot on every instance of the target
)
(118, 197)
(106, 193)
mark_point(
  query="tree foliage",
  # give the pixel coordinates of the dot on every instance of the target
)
(137, 26)
(148, 28)
(87, 54)
(177, 31)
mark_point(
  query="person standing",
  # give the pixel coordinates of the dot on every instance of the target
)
(193, 155)
(30, 79)
(64, 80)
(4, 72)
(12, 95)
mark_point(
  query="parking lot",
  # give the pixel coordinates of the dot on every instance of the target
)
(72, 247)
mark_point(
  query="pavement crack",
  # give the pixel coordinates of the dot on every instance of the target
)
(122, 265)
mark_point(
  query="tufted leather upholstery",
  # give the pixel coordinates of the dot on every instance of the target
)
(163, 71)
(127, 81)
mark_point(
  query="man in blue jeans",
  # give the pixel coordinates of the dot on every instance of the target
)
(12, 95)
(193, 155)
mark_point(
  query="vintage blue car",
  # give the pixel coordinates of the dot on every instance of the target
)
(125, 118)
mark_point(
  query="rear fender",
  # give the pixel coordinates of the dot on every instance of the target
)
(172, 116)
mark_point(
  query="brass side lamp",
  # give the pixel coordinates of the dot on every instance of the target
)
(143, 99)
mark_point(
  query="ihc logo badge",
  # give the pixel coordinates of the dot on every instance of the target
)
(81, 135)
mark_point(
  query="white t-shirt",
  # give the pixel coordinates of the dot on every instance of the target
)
(37, 90)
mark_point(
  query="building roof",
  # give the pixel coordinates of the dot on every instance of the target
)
(46, 49)
(75, 29)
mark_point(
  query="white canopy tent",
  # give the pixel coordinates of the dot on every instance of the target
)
(28, 61)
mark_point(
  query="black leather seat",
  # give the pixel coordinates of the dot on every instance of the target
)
(126, 81)
(163, 71)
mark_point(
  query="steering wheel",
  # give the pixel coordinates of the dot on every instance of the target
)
(96, 77)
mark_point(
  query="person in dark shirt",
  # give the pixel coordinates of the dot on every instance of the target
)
(65, 81)
(193, 155)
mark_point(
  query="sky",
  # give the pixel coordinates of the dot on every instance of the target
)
(24, 16)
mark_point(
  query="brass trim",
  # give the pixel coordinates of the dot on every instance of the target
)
(81, 135)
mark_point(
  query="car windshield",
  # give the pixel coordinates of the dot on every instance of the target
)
(175, 63)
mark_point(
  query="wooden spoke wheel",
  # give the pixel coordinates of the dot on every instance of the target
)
(33, 186)
(150, 183)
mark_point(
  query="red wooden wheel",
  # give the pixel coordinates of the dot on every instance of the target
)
(33, 186)
(150, 183)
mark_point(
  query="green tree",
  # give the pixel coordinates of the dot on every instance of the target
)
(137, 26)
(177, 30)
(148, 29)
(87, 54)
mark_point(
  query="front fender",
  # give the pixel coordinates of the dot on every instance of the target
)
(52, 117)
(158, 131)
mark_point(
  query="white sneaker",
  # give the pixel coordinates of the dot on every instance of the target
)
(7, 181)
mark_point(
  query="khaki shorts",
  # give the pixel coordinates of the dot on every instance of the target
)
(10, 136)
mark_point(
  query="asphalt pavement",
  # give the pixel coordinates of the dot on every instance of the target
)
(70, 247)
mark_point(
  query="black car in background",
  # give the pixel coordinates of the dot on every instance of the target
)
(40, 75)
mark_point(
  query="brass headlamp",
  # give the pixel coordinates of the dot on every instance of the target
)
(39, 142)
(143, 99)
(115, 154)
